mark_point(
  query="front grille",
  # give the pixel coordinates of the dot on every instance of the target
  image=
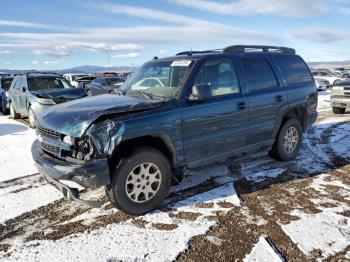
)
(347, 91)
(50, 148)
(49, 133)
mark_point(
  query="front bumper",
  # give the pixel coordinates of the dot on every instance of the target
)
(89, 174)
(340, 101)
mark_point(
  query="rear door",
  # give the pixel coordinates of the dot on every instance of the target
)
(216, 128)
(22, 96)
(266, 96)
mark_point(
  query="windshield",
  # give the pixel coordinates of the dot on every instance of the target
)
(159, 78)
(42, 83)
(6, 83)
(75, 77)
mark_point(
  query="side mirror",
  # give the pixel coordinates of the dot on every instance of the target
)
(23, 89)
(200, 92)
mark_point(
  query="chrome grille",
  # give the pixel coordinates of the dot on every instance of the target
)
(49, 133)
(347, 91)
(50, 148)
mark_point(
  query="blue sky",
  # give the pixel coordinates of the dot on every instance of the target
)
(58, 34)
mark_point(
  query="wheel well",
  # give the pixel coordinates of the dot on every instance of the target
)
(160, 143)
(298, 113)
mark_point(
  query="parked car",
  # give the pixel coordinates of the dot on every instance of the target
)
(72, 77)
(107, 74)
(103, 85)
(32, 93)
(83, 81)
(322, 84)
(340, 96)
(327, 74)
(5, 83)
(215, 106)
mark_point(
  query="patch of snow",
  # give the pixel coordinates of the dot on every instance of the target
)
(15, 149)
(324, 101)
(326, 231)
(261, 176)
(262, 252)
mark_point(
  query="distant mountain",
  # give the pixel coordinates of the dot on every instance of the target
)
(332, 64)
(89, 69)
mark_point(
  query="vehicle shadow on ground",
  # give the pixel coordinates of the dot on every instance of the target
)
(8, 129)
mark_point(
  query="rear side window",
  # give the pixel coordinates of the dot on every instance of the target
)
(259, 74)
(294, 69)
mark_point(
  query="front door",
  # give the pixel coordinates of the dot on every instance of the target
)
(216, 128)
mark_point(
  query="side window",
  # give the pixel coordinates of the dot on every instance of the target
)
(294, 69)
(259, 74)
(220, 75)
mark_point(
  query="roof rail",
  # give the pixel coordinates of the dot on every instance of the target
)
(189, 53)
(263, 48)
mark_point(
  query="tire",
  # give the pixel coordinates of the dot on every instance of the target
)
(288, 150)
(31, 118)
(129, 175)
(338, 110)
(13, 113)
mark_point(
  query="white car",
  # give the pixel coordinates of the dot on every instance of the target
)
(328, 75)
(72, 77)
(322, 84)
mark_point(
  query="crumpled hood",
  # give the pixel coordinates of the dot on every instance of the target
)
(74, 117)
(61, 94)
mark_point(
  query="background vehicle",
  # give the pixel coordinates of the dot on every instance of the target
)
(214, 106)
(5, 83)
(103, 85)
(33, 93)
(327, 74)
(322, 84)
(83, 81)
(72, 77)
(340, 97)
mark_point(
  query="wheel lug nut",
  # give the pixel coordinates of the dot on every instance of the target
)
(147, 183)
(143, 187)
(138, 186)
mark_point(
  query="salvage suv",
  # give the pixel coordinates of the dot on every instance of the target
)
(212, 107)
(340, 96)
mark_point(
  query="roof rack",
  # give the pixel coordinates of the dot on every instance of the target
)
(243, 48)
(263, 48)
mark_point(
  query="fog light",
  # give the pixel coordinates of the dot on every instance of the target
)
(68, 140)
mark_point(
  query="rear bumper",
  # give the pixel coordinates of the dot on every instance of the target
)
(89, 174)
(340, 101)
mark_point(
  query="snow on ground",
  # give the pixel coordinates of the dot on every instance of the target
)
(15, 143)
(324, 98)
(126, 241)
(263, 252)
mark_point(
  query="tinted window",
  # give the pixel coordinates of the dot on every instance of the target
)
(6, 83)
(294, 69)
(259, 74)
(220, 75)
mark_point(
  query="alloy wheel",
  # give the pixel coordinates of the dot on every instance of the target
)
(290, 139)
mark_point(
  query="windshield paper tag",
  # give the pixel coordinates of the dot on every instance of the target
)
(181, 63)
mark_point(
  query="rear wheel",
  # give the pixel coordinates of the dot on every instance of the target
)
(289, 141)
(13, 113)
(31, 118)
(141, 182)
(338, 110)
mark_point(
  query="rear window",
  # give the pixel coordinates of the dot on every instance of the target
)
(259, 74)
(294, 69)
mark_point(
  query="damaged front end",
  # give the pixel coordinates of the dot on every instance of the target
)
(82, 160)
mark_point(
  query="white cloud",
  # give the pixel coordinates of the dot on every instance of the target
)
(22, 24)
(319, 34)
(35, 62)
(163, 52)
(51, 62)
(5, 52)
(129, 55)
(295, 8)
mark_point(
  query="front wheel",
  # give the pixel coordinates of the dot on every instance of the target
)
(289, 141)
(141, 182)
(338, 110)
(13, 113)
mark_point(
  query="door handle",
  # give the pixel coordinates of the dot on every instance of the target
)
(241, 106)
(279, 98)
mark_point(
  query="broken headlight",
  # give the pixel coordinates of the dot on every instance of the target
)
(338, 90)
(104, 136)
